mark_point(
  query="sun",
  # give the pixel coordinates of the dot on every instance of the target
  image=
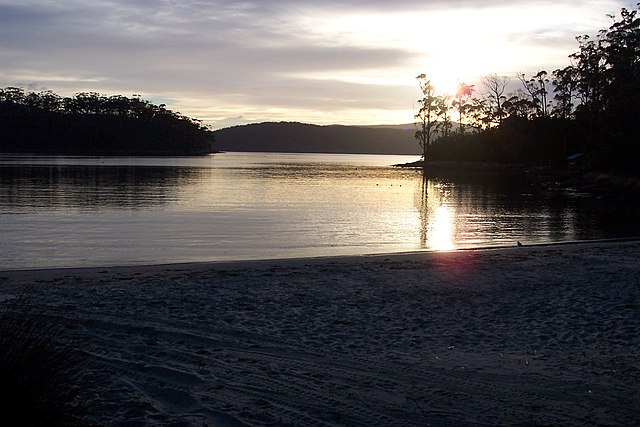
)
(445, 82)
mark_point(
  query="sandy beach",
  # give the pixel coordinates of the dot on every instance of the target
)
(540, 335)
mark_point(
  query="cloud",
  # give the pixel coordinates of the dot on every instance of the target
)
(337, 60)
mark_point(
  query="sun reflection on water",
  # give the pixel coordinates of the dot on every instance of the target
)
(441, 229)
(437, 215)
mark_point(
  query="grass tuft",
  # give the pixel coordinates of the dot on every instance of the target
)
(39, 368)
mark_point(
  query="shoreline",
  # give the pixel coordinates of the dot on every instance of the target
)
(531, 335)
(600, 184)
(50, 273)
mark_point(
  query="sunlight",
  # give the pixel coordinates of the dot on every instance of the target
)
(445, 82)
(438, 218)
(441, 229)
(449, 45)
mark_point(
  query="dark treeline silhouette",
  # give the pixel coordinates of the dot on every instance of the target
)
(590, 107)
(91, 123)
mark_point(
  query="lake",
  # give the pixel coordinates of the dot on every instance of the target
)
(61, 211)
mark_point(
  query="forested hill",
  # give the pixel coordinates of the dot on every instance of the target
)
(306, 138)
(94, 124)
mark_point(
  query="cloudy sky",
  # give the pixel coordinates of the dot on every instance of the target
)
(317, 61)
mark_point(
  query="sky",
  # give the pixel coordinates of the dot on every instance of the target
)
(323, 61)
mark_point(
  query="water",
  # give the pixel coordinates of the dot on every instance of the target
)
(93, 211)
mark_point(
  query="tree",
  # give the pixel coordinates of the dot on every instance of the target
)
(590, 68)
(444, 125)
(461, 102)
(541, 80)
(564, 86)
(517, 105)
(620, 46)
(12, 95)
(536, 88)
(618, 129)
(430, 107)
(45, 100)
(495, 86)
(478, 113)
(607, 80)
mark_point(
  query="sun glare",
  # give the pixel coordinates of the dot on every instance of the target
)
(445, 82)
(440, 233)
(438, 217)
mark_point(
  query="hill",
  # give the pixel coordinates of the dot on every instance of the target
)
(94, 124)
(306, 138)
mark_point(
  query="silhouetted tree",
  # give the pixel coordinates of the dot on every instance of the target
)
(12, 95)
(462, 102)
(444, 124)
(427, 116)
(518, 105)
(564, 83)
(495, 94)
(536, 88)
(479, 113)
(590, 70)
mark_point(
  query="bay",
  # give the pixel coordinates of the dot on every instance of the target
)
(63, 211)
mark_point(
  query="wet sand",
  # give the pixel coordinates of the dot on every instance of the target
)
(543, 335)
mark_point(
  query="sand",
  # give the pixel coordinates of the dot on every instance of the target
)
(545, 335)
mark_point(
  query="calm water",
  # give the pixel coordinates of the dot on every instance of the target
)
(90, 211)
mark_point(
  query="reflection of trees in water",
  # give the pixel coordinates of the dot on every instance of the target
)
(604, 218)
(437, 219)
(504, 211)
(26, 187)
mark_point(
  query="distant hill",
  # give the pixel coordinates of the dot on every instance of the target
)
(402, 126)
(306, 138)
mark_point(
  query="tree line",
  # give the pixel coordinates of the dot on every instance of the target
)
(590, 106)
(92, 123)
